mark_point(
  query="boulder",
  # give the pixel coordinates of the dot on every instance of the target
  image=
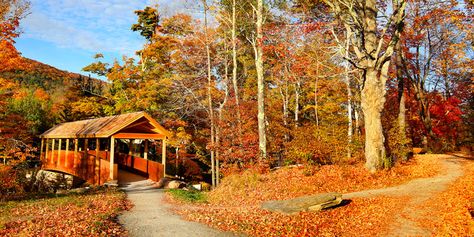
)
(162, 183)
(306, 203)
(175, 184)
(418, 150)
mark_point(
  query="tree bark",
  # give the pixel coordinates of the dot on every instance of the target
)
(349, 99)
(234, 71)
(372, 101)
(209, 94)
(297, 102)
(401, 97)
(262, 140)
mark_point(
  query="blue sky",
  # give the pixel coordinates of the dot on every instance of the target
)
(67, 33)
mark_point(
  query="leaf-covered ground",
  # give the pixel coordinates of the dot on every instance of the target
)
(250, 188)
(452, 207)
(235, 205)
(89, 214)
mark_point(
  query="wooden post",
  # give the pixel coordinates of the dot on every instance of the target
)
(46, 153)
(76, 148)
(112, 154)
(145, 153)
(96, 161)
(41, 149)
(130, 143)
(66, 163)
(59, 153)
(163, 156)
(52, 151)
(84, 161)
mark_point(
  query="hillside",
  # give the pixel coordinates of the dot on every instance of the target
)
(35, 96)
(42, 75)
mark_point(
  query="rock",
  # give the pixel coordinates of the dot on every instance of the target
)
(174, 184)
(162, 183)
(418, 150)
(306, 203)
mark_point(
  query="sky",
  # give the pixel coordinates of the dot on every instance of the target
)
(67, 33)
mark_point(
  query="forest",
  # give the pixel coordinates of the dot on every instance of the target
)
(253, 85)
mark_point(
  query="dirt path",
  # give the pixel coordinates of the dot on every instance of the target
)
(150, 216)
(419, 191)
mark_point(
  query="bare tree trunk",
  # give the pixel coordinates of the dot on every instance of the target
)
(401, 98)
(234, 71)
(209, 95)
(356, 120)
(316, 100)
(219, 116)
(372, 101)
(297, 102)
(349, 99)
(285, 101)
(262, 140)
(372, 54)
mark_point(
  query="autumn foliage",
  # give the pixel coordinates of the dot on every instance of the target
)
(235, 205)
(90, 214)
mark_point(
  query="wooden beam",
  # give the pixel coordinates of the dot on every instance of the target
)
(66, 163)
(145, 153)
(85, 156)
(52, 151)
(163, 156)
(137, 124)
(139, 136)
(76, 148)
(46, 153)
(111, 160)
(41, 150)
(59, 153)
(130, 144)
(96, 161)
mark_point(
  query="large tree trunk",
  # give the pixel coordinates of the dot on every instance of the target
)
(209, 95)
(349, 98)
(372, 101)
(234, 71)
(262, 139)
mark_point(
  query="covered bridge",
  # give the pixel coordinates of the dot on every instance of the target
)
(95, 149)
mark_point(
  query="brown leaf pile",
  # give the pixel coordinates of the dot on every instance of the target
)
(91, 214)
(235, 205)
(251, 188)
(452, 207)
(361, 217)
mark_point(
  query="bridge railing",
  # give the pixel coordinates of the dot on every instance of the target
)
(96, 170)
(153, 169)
(84, 165)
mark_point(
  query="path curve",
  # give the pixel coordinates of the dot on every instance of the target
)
(151, 216)
(419, 191)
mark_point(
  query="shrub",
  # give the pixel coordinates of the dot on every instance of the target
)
(188, 195)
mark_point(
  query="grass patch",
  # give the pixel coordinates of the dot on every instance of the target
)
(188, 196)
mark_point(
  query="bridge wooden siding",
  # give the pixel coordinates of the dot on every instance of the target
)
(99, 166)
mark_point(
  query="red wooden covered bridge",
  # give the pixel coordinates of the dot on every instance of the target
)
(95, 149)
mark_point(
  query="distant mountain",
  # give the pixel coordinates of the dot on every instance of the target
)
(42, 75)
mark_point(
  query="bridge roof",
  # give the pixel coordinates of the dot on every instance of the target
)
(132, 125)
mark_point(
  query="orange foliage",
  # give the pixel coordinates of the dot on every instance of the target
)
(85, 215)
(251, 188)
(235, 204)
(452, 207)
(366, 216)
